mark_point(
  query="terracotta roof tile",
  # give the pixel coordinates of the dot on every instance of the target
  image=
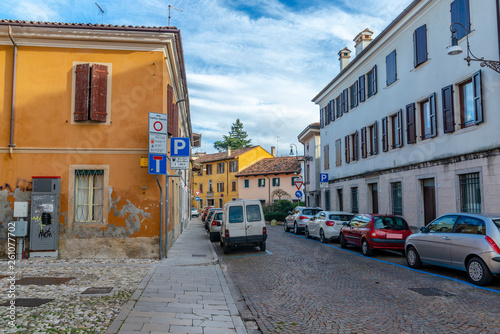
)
(283, 165)
(223, 155)
(79, 25)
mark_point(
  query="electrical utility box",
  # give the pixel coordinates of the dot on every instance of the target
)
(44, 223)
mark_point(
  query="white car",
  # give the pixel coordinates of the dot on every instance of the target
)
(214, 225)
(298, 218)
(326, 225)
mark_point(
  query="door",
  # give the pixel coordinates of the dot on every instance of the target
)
(429, 193)
(373, 188)
(340, 197)
(254, 220)
(316, 223)
(435, 245)
(235, 221)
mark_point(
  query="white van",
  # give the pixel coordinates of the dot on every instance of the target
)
(243, 224)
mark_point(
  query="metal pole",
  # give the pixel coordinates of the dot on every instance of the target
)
(161, 216)
(167, 209)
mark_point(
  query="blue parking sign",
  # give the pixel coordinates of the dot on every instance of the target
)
(323, 177)
(179, 147)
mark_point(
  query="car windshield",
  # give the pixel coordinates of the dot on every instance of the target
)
(310, 212)
(218, 216)
(341, 217)
(390, 223)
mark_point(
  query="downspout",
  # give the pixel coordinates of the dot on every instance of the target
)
(498, 26)
(269, 189)
(13, 101)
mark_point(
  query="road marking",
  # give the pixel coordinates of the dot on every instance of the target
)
(240, 256)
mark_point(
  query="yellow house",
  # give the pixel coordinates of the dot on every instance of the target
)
(216, 183)
(75, 101)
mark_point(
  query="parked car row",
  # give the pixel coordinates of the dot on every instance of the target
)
(463, 241)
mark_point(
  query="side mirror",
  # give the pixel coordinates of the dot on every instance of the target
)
(424, 230)
(345, 223)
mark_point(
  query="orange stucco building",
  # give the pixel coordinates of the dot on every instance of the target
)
(74, 103)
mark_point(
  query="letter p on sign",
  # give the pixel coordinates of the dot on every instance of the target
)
(179, 147)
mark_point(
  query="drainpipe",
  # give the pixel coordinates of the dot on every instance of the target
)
(13, 102)
(498, 26)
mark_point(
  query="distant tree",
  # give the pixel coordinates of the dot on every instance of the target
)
(237, 138)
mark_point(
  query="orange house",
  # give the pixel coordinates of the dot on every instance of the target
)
(75, 102)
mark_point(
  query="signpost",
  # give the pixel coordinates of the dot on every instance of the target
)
(179, 153)
(298, 194)
(323, 180)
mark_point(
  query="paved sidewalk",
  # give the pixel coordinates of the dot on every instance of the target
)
(185, 293)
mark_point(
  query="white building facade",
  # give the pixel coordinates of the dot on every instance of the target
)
(310, 138)
(408, 129)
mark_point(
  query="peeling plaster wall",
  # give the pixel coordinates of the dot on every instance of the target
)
(7, 200)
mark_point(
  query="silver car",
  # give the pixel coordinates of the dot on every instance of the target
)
(463, 241)
(214, 225)
(298, 218)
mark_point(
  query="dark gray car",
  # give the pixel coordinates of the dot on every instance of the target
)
(463, 241)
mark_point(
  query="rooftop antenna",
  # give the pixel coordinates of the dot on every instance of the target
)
(169, 13)
(102, 12)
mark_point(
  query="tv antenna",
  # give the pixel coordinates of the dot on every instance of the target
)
(169, 13)
(102, 12)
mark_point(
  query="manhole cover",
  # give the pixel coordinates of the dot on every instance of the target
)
(28, 302)
(43, 280)
(199, 255)
(431, 292)
(97, 291)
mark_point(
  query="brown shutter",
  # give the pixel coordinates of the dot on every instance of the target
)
(363, 142)
(448, 112)
(411, 135)
(82, 77)
(400, 127)
(432, 108)
(99, 93)
(347, 156)
(375, 138)
(385, 139)
(478, 104)
(170, 109)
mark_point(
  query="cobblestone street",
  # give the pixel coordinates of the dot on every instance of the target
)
(303, 286)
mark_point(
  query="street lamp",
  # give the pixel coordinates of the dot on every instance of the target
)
(455, 49)
(291, 150)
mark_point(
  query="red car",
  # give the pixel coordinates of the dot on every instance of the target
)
(205, 211)
(374, 231)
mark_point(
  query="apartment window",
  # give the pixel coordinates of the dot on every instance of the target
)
(397, 198)
(233, 185)
(355, 146)
(428, 117)
(233, 166)
(354, 200)
(385, 138)
(208, 169)
(420, 45)
(470, 193)
(276, 181)
(345, 101)
(471, 110)
(373, 135)
(210, 186)
(201, 188)
(371, 78)
(210, 202)
(397, 129)
(220, 168)
(220, 187)
(326, 156)
(91, 86)
(261, 183)
(411, 129)
(364, 150)
(294, 178)
(89, 195)
(338, 102)
(353, 92)
(247, 183)
(460, 13)
(338, 152)
(361, 89)
(347, 154)
(391, 68)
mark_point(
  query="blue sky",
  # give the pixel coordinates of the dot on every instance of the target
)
(259, 61)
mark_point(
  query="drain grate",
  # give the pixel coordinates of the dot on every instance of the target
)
(431, 292)
(28, 302)
(97, 291)
(43, 280)
(199, 255)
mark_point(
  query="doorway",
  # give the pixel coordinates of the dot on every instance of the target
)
(373, 189)
(429, 193)
(340, 196)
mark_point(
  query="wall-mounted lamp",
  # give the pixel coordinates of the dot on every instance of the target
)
(456, 49)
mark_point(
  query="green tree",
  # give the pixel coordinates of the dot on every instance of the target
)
(237, 138)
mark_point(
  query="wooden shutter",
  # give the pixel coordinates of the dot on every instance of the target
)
(332, 110)
(374, 80)
(347, 155)
(327, 110)
(99, 92)
(420, 45)
(460, 13)
(355, 148)
(363, 142)
(321, 120)
(432, 108)
(345, 101)
(82, 78)
(175, 126)
(170, 109)
(355, 95)
(361, 90)
(390, 66)
(385, 139)
(339, 106)
(478, 104)
(338, 152)
(448, 112)
(375, 138)
(411, 134)
(399, 132)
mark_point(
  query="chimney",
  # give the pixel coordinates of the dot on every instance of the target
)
(362, 40)
(273, 151)
(344, 56)
(229, 151)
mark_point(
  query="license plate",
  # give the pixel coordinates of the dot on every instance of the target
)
(394, 236)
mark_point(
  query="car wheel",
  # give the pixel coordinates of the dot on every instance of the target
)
(478, 272)
(295, 228)
(322, 238)
(413, 258)
(213, 237)
(226, 248)
(343, 243)
(286, 227)
(221, 242)
(306, 232)
(365, 248)
(263, 246)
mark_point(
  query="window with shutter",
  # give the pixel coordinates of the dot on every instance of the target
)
(478, 104)
(347, 151)
(428, 117)
(345, 101)
(321, 118)
(353, 92)
(385, 139)
(400, 128)
(332, 110)
(460, 13)
(90, 91)
(420, 45)
(432, 107)
(448, 112)
(338, 152)
(374, 139)
(338, 101)
(326, 156)
(411, 134)
(355, 146)
(372, 81)
(363, 142)
(361, 88)
(390, 66)
(471, 110)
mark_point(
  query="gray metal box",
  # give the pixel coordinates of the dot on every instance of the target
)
(20, 209)
(20, 228)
